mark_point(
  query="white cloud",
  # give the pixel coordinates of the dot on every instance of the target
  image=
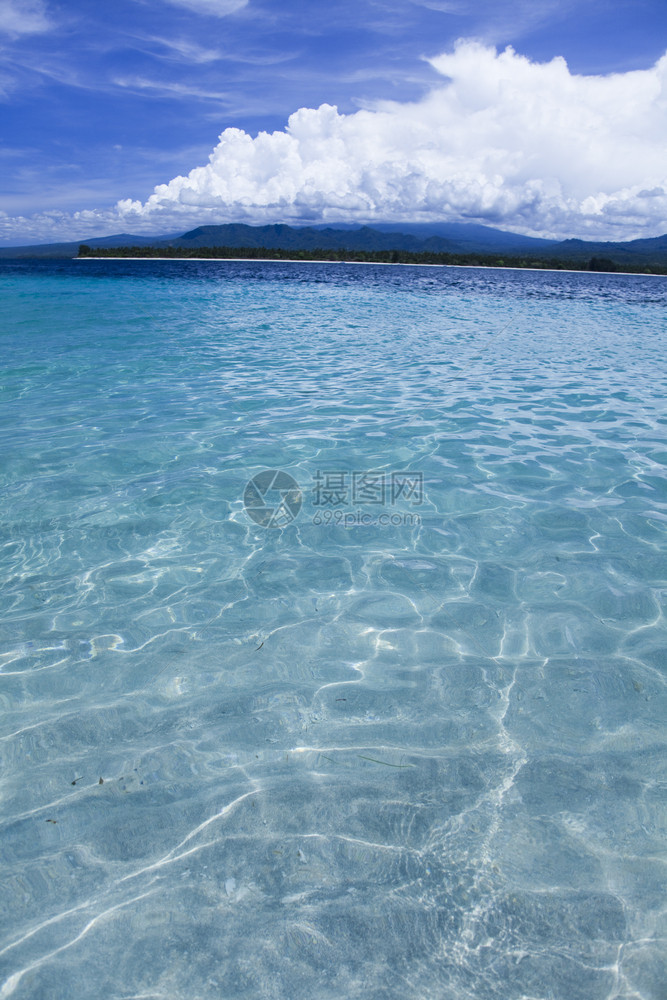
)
(444, 6)
(501, 140)
(186, 51)
(504, 140)
(161, 88)
(212, 8)
(7, 85)
(23, 17)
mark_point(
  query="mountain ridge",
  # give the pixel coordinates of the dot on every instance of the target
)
(459, 238)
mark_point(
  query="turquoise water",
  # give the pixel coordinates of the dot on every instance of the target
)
(394, 731)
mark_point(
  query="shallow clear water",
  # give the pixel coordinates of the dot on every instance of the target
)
(405, 741)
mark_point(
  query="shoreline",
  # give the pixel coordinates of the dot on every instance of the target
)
(380, 263)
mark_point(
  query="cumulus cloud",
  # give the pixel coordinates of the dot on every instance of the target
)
(524, 146)
(23, 17)
(502, 140)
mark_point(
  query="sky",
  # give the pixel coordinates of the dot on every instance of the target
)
(544, 117)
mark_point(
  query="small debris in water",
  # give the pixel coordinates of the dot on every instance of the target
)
(385, 762)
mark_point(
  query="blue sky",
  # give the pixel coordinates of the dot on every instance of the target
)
(99, 103)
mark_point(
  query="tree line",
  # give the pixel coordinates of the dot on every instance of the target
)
(369, 257)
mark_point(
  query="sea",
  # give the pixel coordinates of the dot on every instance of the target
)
(333, 640)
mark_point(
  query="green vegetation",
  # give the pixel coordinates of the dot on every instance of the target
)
(601, 264)
(370, 257)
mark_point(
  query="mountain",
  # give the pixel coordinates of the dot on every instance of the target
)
(639, 252)
(436, 237)
(459, 238)
(281, 237)
(60, 250)
(469, 237)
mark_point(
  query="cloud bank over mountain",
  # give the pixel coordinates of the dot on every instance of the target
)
(502, 140)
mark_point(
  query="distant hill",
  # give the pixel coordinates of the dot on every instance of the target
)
(281, 237)
(437, 237)
(633, 252)
(62, 250)
(469, 237)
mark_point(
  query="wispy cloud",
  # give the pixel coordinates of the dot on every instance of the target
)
(186, 51)
(517, 18)
(16, 152)
(7, 85)
(444, 6)
(211, 8)
(23, 17)
(163, 88)
(183, 50)
(493, 21)
(60, 188)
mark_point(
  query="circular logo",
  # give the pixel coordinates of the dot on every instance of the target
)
(272, 498)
